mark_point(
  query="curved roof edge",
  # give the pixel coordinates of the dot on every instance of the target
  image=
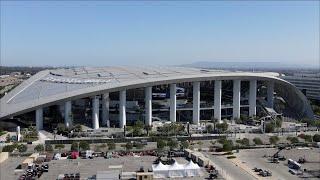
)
(7, 109)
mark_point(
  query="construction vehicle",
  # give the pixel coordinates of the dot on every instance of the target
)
(301, 160)
(276, 157)
(213, 174)
(265, 173)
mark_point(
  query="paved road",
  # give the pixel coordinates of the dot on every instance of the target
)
(231, 169)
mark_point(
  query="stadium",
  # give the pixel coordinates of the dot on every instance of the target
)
(118, 96)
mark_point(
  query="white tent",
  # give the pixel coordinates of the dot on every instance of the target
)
(160, 170)
(192, 169)
(176, 170)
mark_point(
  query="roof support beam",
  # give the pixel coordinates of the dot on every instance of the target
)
(122, 109)
(196, 103)
(173, 102)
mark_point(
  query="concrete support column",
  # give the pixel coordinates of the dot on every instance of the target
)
(270, 94)
(196, 103)
(39, 119)
(148, 105)
(95, 112)
(253, 98)
(105, 110)
(217, 100)
(236, 98)
(122, 108)
(173, 102)
(68, 114)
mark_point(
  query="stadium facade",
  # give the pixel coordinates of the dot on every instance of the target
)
(115, 96)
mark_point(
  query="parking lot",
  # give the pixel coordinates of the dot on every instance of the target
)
(86, 167)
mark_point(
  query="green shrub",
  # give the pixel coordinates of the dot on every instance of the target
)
(111, 146)
(129, 146)
(244, 141)
(274, 139)
(307, 138)
(269, 127)
(184, 144)
(39, 148)
(257, 141)
(22, 148)
(293, 140)
(8, 148)
(49, 147)
(138, 145)
(59, 146)
(316, 138)
(227, 145)
(84, 145)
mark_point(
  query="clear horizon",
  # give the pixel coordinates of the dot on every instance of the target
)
(78, 33)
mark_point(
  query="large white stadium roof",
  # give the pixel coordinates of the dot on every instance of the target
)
(51, 86)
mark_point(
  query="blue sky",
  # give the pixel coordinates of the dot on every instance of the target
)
(158, 33)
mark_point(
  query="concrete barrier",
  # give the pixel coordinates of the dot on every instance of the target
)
(3, 156)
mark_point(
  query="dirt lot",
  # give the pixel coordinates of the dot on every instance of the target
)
(254, 158)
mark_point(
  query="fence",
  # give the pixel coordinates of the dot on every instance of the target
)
(124, 140)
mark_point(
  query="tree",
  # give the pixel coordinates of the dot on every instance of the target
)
(111, 146)
(129, 146)
(209, 128)
(22, 148)
(316, 138)
(49, 147)
(74, 146)
(257, 141)
(161, 143)
(222, 127)
(39, 148)
(172, 144)
(129, 129)
(274, 139)
(138, 128)
(184, 144)
(84, 145)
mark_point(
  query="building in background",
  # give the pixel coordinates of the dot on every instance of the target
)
(307, 83)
